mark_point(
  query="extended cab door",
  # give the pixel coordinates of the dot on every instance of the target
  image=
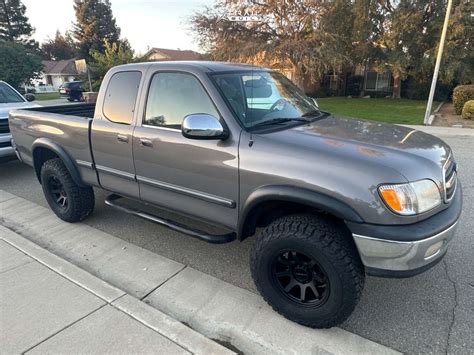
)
(112, 130)
(195, 177)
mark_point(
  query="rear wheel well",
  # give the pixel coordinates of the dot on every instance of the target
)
(40, 156)
(268, 211)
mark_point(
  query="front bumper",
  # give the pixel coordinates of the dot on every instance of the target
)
(407, 250)
(6, 149)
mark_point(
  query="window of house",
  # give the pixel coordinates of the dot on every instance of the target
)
(333, 81)
(378, 81)
(371, 80)
(383, 81)
(121, 96)
(172, 96)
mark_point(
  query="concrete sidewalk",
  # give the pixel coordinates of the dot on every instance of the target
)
(156, 285)
(69, 311)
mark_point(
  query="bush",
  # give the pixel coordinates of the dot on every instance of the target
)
(461, 95)
(414, 89)
(468, 110)
(354, 85)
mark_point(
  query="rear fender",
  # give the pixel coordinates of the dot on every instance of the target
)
(40, 145)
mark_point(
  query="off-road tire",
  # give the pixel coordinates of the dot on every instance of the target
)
(331, 247)
(80, 200)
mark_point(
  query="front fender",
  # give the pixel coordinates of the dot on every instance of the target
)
(299, 195)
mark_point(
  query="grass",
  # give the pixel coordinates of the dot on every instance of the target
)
(40, 96)
(401, 111)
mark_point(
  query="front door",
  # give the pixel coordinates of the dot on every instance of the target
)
(112, 132)
(195, 177)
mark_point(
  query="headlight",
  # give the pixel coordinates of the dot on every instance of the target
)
(412, 198)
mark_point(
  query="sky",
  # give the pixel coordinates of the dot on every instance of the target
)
(146, 23)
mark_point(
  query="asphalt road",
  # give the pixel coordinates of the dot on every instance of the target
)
(54, 102)
(429, 313)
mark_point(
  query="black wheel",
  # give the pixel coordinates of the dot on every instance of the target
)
(69, 201)
(70, 99)
(308, 270)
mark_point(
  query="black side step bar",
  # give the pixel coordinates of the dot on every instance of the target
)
(111, 201)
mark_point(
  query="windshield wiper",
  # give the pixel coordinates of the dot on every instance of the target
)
(280, 120)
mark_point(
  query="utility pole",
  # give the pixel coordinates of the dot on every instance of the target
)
(438, 63)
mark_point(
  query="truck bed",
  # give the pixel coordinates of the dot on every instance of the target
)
(82, 110)
(64, 127)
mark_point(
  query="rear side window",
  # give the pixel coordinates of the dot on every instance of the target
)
(121, 96)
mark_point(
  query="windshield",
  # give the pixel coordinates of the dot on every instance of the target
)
(257, 97)
(7, 94)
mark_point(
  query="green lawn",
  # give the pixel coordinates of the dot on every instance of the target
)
(402, 111)
(46, 96)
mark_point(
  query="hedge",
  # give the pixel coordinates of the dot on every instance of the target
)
(461, 95)
(468, 110)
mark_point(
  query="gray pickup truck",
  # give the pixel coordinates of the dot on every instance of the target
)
(330, 199)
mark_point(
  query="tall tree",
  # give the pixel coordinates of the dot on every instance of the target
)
(410, 38)
(114, 54)
(459, 50)
(61, 47)
(17, 65)
(309, 34)
(14, 25)
(94, 24)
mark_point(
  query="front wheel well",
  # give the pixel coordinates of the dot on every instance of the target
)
(40, 156)
(268, 211)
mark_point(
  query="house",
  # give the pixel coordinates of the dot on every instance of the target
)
(163, 54)
(56, 72)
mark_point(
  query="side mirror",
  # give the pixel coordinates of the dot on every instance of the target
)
(202, 126)
(30, 97)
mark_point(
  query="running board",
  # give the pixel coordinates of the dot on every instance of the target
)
(111, 201)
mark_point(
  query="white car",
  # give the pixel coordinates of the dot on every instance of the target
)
(9, 99)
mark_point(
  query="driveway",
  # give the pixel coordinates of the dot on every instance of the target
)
(429, 313)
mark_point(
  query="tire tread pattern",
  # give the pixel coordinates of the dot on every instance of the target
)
(81, 198)
(328, 236)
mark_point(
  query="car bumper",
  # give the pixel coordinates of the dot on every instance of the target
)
(6, 149)
(401, 257)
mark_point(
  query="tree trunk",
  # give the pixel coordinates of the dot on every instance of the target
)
(397, 86)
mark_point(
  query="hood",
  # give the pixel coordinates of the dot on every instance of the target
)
(402, 148)
(6, 108)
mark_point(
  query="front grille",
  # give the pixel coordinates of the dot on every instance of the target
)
(4, 128)
(5, 144)
(450, 179)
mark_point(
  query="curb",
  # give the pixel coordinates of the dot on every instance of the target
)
(149, 316)
(443, 131)
(212, 307)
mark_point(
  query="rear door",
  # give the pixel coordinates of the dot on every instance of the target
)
(112, 130)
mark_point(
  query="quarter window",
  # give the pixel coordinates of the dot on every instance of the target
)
(121, 96)
(172, 96)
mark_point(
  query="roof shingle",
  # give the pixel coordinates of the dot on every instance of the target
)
(61, 67)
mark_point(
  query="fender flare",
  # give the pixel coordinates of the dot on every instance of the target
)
(294, 194)
(61, 153)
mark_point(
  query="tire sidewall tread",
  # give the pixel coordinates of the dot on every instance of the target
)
(328, 243)
(80, 199)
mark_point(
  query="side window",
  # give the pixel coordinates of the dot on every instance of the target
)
(172, 96)
(121, 96)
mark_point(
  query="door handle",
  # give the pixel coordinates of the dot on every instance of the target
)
(122, 138)
(145, 142)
